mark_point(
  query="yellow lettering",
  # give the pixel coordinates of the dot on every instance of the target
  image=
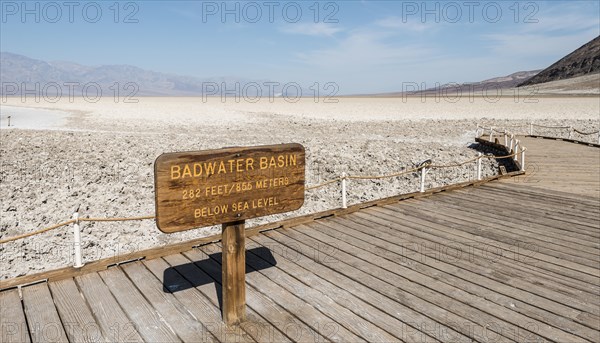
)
(186, 171)
(175, 172)
(250, 164)
(222, 168)
(293, 160)
(197, 169)
(210, 168)
(264, 163)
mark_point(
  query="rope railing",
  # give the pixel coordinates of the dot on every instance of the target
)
(533, 125)
(423, 168)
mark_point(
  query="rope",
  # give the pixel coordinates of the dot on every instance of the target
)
(114, 219)
(586, 133)
(552, 127)
(459, 164)
(326, 183)
(375, 177)
(6, 240)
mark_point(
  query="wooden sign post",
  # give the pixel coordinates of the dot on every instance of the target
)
(234, 272)
(228, 186)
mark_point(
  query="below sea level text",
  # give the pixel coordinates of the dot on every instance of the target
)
(209, 211)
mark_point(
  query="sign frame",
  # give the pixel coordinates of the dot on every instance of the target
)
(232, 195)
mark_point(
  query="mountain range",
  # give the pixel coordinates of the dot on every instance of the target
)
(583, 61)
(23, 73)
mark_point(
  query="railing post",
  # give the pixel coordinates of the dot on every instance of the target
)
(531, 128)
(423, 172)
(512, 142)
(522, 159)
(344, 201)
(77, 263)
(491, 133)
(479, 166)
(517, 143)
(505, 138)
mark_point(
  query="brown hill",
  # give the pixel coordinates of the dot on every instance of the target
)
(583, 61)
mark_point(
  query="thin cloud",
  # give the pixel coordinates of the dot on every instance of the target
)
(312, 29)
(363, 48)
(397, 23)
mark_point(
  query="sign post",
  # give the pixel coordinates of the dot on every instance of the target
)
(228, 186)
(234, 273)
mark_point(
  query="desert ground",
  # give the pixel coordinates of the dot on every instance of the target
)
(98, 156)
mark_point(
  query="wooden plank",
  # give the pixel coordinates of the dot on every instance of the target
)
(13, 327)
(149, 323)
(455, 297)
(567, 207)
(234, 273)
(398, 320)
(187, 328)
(471, 276)
(552, 196)
(528, 227)
(294, 302)
(583, 220)
(321, 299)
(109, 315)
(78, 321)
(269, 328)
(481, 232)
(204, 188)
(516, 264)
(43, 320)
(285, 326)
(204, 306)
(524, 257)
(408, 293)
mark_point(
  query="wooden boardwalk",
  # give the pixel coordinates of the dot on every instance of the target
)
(562, 166)
(502, 262)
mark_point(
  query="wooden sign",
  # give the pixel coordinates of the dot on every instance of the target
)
(196, 189)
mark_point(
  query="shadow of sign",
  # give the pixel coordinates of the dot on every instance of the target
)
(208, 271)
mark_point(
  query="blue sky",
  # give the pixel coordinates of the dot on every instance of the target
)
(363, 46)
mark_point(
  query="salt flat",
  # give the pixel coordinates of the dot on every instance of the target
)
(99, 158)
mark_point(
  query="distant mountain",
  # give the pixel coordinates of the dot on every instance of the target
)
(583, 61)
(26, 74)
(490, 85)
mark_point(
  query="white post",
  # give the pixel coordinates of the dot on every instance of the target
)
(479, 166)
(531, 129)
(422, 188)
(505, 139)
(517, 143)
(344, 202)
(77, 241)
(491, 133)
(522, 159)
(570, 132)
